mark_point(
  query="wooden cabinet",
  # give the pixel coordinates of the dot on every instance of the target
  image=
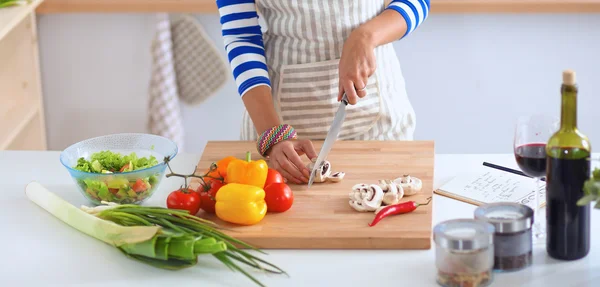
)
(22, 125)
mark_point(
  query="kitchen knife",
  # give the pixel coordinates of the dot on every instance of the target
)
(332, 135)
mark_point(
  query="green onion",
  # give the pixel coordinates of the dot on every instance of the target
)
(164, 238)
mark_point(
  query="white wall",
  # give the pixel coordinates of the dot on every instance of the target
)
(468, 77)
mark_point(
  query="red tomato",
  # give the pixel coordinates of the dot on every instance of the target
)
(273, 177)
(139, 186)
(113, 190)
(124, 167)
(184, 199)
(208, 197)
(279, 197)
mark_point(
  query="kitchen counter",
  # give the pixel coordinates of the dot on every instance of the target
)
(209, 6)
(40, 250)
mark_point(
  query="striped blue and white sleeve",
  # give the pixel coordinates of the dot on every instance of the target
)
(243, 41)
(414, 12)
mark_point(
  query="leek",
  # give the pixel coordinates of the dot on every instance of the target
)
(107, 231)
(161, 237)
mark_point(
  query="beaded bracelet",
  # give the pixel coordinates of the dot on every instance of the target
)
(274, 136)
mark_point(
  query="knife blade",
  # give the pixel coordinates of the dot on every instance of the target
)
(332, 135)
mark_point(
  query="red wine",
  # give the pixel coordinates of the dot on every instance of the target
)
(568, 225)
(531, 158)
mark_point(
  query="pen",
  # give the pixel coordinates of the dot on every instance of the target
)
(508, 169)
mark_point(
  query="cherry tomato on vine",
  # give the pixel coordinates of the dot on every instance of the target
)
(207, 198)
(185, 199)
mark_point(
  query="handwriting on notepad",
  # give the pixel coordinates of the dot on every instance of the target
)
(529, 199)
(484, 184)
(493, 186)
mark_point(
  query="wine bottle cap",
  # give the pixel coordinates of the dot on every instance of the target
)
(569, 77)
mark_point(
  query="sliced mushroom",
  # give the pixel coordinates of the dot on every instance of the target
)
(360, 186)
(373, 201)
(392, 192)
(323, 172)
(358, 192)
(357, 205)
(367, 193)
(366, 197)
(336, 176)
(411, 185)
(356, 196)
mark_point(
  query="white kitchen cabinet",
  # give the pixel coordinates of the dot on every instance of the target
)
(22, 125)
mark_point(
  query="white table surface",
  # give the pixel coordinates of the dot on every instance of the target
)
(40, 250)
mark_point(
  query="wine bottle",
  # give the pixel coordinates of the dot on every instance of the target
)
(568, 167)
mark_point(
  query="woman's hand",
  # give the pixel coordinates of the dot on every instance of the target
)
(285, 158)
(357, 64)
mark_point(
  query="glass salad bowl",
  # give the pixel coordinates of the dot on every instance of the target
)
(120, 168)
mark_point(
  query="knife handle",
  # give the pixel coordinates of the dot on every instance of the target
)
(345, 99)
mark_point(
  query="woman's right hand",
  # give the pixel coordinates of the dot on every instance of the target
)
(285, 158)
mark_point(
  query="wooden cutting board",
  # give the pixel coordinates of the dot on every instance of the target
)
(321, 217)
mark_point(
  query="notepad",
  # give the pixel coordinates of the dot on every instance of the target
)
(483, 184)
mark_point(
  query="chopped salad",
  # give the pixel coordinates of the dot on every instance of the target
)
(118, 189)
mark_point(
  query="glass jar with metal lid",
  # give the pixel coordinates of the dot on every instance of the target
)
(512, 236)
(464, 253)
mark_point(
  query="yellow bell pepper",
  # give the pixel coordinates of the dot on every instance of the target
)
(241, 204)
(248, 172)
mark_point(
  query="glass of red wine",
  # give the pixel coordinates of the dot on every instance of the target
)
(531, 135)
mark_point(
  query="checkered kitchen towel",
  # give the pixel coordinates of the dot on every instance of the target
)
(186, 66)
(164, 110)
(201, 69)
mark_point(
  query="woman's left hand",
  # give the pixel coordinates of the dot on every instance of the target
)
(357, 64)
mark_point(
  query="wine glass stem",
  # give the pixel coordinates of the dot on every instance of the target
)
(537, 220)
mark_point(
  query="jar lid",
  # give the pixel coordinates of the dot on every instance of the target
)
(463, 234)
(507, 217)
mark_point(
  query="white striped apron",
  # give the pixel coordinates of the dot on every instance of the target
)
(303, 44)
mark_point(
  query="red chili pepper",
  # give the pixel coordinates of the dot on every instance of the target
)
(399, 208)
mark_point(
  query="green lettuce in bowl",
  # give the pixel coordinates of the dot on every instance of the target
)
(119, 189)
(121, 168)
